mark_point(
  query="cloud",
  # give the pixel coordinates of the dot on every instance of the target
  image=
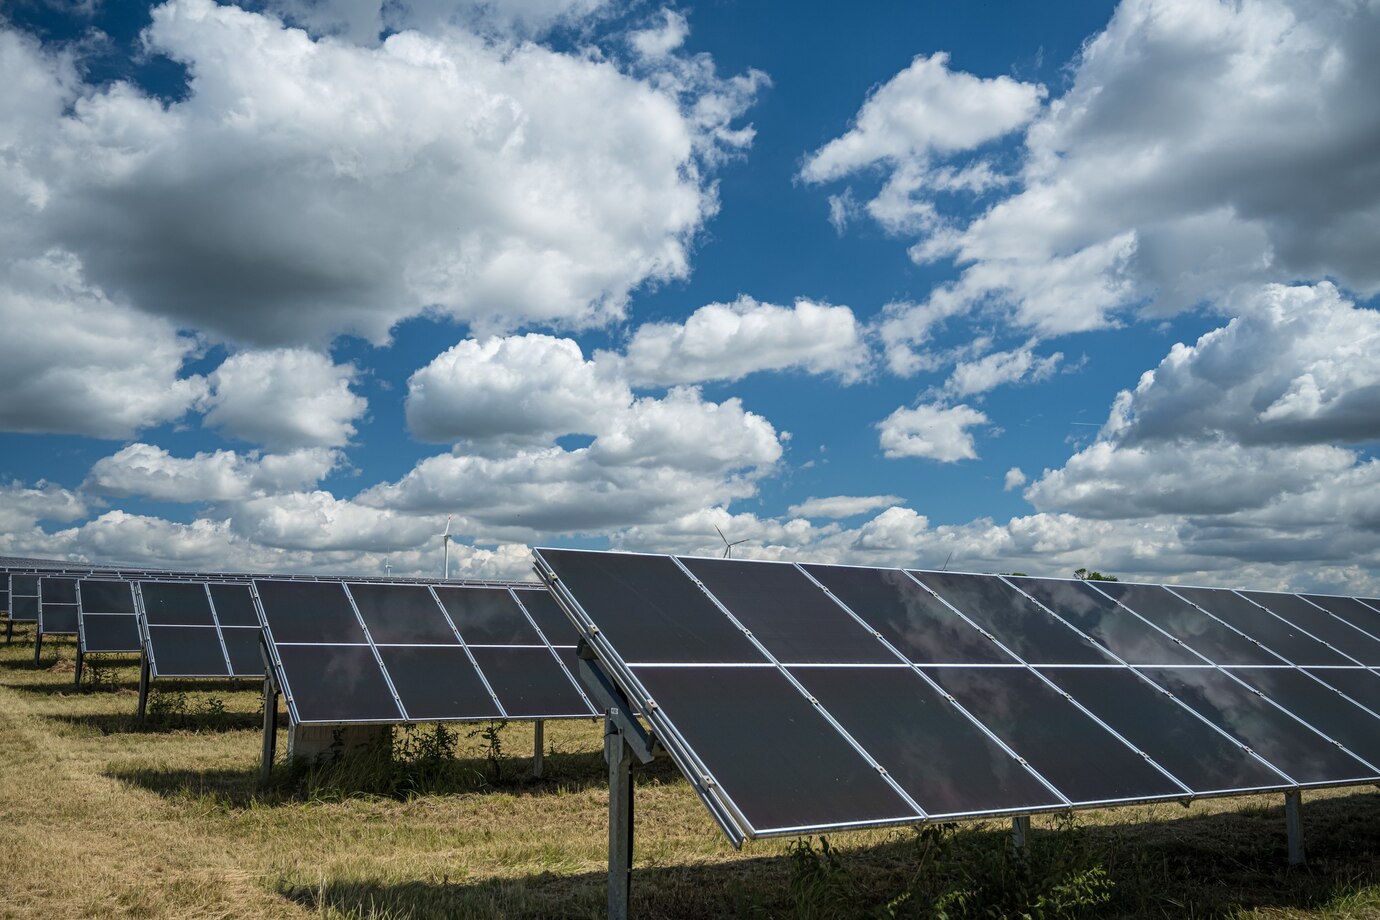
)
(317, 521)
(208, 477)
(1015, 478)
(284, 399)
(1201, 149)
(730, 341)
(660, 40)
(1297, 365)
(74, 362)
(302, 188)
(973, 378)
(514, 390)
(931, 431)
(925, 108)
(652, 459)
(23, 507)
(842, 506)
(363, 20)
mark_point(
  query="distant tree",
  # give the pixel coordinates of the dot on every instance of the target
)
(1013, 573)
(1085, 575)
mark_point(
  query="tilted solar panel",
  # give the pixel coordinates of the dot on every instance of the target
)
(107, 618)
(802, 698)
(199, 629)
(374, 653)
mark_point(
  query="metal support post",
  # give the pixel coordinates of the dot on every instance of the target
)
(270, 731)
(1020, 834)
(1293, 820)
(143, 687)
(538, 743)
(619, 756)
(9, 631)
(38, 645)
(81, 657)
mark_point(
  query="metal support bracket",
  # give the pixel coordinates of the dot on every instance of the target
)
(143, 686)
(618, 753)
(270, 732)
(538, 746)
(38, 645)
(1293, 821)
(1020, 834)
(270, 719)
(81, 659)
(609, 698)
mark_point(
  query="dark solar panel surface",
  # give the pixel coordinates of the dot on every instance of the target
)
(449, 652)
(990, 695)
(107, 618)
(201, 629)
(57, 608)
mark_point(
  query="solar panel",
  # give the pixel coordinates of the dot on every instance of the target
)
(23, 599)
(1022, 626)
(107, 619)
(803, 698)
(200, 629)
(1319, 621)
(57, 606)
(1279, 636)
(370, 653)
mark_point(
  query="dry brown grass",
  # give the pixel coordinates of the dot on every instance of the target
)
(101, 817)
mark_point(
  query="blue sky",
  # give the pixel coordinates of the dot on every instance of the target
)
(1009, 285)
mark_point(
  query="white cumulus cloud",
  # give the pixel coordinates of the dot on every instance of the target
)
(284, 399)
(931, 431)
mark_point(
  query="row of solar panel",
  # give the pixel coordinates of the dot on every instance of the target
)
(343, 652)
(808, 697)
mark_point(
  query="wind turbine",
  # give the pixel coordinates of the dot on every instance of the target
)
(728, 547)
(445, 545)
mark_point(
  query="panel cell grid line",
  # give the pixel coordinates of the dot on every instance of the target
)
(359, 652)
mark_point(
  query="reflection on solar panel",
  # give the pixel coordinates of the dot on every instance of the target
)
(370, 653)
(800, 699)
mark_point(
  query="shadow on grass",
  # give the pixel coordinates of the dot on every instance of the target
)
(1214, 865)
(562, 773)
(198, 723)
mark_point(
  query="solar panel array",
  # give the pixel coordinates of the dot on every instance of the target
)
(802, 698)
(354, 652)
(200, 629)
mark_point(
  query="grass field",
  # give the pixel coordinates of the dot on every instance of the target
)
(101, 817)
